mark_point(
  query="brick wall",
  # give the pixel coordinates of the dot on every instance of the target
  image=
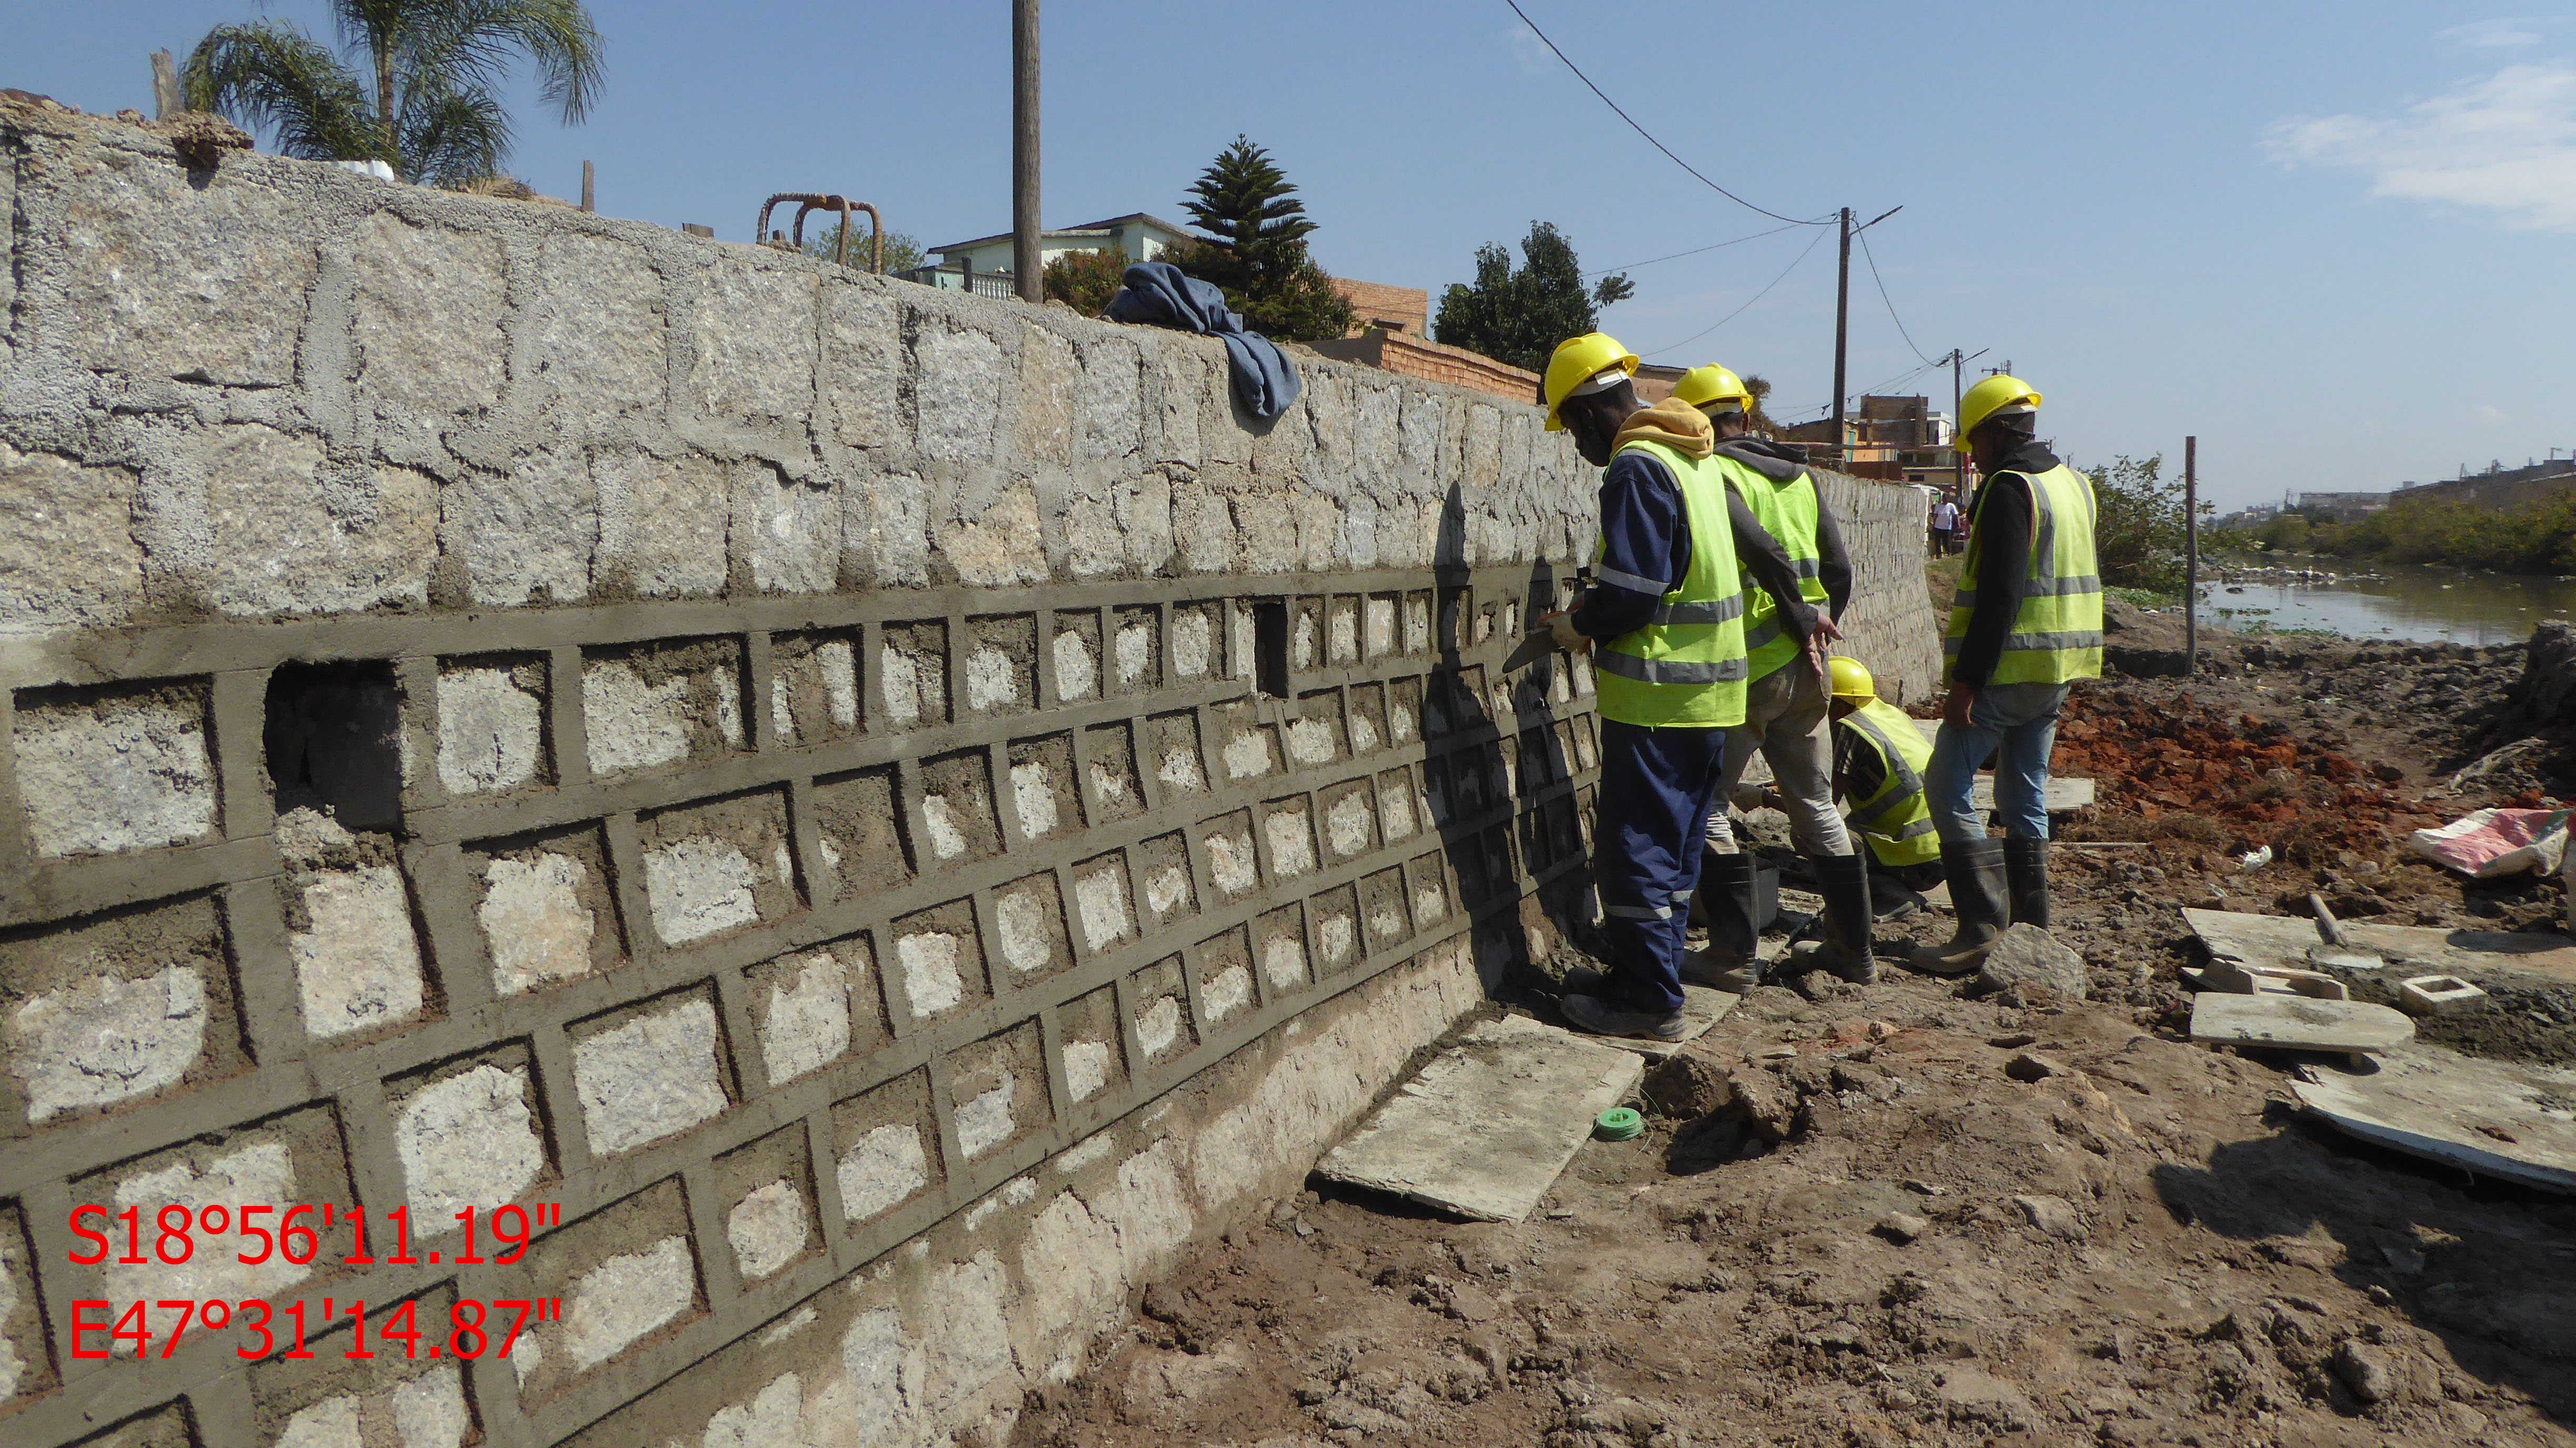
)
(1433, 362)
(1408, 309)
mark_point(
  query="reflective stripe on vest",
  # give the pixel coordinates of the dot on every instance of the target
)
(2057, 635)
(1686, 666)
(1897, 819)
(1786, 511)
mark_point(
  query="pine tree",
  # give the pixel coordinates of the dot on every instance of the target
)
(1518, 316)
(1256, 247)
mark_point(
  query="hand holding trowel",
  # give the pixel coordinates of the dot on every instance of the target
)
(1550, 632)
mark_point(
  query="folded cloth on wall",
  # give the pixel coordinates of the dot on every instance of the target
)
(1160, 294)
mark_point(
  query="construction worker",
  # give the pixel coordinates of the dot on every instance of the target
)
(1666, 628)
(2027, 622)
(1879, 759)
(1785, 700)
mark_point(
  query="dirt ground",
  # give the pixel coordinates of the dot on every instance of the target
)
(1930, 1218)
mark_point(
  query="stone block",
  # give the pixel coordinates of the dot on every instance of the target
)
(790, 527)
(468, 1139)
(1076, 1287)
(1100, 897)
(662, 523)
(599, 331)
(698, 887)
(861, 365)
(23, 1358)
(884, 1169)
(650, 1075)
(806, 1025)
(103, 772)
(253, 1167)
(960, 375)
(429, 1409)
(528, 535)
(1031, 926)
(427, 317)
(104, 1040)
(768, 1229)
(166, 279)
(754, 329)
(68, 555)
(663, 703)
(1045, 399)
(1077, 671)
(1001, 546)
(933, 978)
(1109, 417)
(2030, 962)
(536, 921)
(357, 961)
(626, 1297)
(1291, 837)
(885, 529)
(491, 726)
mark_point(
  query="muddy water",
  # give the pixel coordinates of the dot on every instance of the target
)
(2416, 605)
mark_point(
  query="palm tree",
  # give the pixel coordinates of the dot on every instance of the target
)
(434, 115)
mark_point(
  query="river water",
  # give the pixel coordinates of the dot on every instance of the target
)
(2396, 602)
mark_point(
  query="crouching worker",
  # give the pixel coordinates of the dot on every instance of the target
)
(1879, 759)
(1665, 625)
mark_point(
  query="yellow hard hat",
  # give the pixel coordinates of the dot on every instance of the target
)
(1851, 680)
(1578, 360)
(1705, 387)
(1996, 393)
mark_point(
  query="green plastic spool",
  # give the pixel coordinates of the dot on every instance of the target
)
(1618, 1124)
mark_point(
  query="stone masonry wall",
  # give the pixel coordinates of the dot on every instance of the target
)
(896, 810)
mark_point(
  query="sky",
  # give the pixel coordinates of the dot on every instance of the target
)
(2332, 241)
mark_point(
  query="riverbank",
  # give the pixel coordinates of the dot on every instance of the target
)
(1956, 1220)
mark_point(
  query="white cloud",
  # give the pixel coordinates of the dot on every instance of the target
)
(1528, 49)
(2504, 145)
(2499, 34)
(2489, 412)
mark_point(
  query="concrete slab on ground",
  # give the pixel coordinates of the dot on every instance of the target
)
(2494, 1117)
(1486, 1128)
(2297, 1022)
(2286, 941)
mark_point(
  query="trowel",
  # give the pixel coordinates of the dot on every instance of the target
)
(1529, 651)
(2337, 952)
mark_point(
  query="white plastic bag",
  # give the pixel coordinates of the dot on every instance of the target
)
(2492, 842)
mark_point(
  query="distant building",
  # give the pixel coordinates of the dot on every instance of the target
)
(2497, 487)
(985, 264)
(2343, 507)
(1394, 309)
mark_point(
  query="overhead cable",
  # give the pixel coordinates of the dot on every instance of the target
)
(1649, 135)
(1749, 301)
(1694, 251)
(1891, 305)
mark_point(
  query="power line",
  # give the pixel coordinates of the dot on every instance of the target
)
(1642, 131)
(1891, 305)
(1731, 316)
(1694, 251)
(1880, 389)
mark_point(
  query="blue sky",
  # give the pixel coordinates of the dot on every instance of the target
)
(2335, 241)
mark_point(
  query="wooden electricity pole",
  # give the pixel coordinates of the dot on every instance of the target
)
(1024, 151)
(1842, 341)
(2191, 555)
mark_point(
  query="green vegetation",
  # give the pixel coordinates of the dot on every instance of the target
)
(1518, 316)
(902, 252)
(2142, 597)
(1257, 250)
(2138, 524)
(2536, 537)
(1086, 280)
(427, 102)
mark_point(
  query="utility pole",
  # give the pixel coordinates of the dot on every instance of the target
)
(2191, 555)
(1958, 444)
(1024, 151)
(1842, 340)
(167, 100)
(586, 204)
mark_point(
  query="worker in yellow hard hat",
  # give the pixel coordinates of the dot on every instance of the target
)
(1785, 707)
(1665, 627)
(2027, 623)
(1879, 759)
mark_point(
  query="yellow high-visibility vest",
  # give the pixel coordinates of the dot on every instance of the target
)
(2057, 636)
(1786, 507)
(1896, 819)
(1685, 668)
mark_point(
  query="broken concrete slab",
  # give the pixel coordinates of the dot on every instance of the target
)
(2296, 1022)
(2494, 1117)
(2286, 942)
(1486, 1128)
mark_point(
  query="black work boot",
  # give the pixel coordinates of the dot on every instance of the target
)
(1976, 872)
(1845, 950)
(1726, 889)
(2026, 867)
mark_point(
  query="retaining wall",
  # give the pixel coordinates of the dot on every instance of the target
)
(896, 810)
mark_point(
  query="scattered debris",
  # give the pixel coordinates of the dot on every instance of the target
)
(2296, 1023)
(2426, 995)
(2487, 843)
(2034, 965)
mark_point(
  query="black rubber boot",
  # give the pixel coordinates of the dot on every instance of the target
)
(1976, 872)
(1726, 891)
(1845, 950)
(2026, 867)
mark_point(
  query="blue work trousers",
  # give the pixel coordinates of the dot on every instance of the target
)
(2018, 724)
(1656, 789)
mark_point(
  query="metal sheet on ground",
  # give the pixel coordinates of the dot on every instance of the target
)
(2492, 1117)
(2281, 940)
(1701, 1009)
(1485, 1129)
(2295, 1022)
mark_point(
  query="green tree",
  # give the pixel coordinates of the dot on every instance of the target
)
(1518, 316)
(1085, 280)
(2286, 533)
(902, 252)
(423, 96)
(1256, 249)
(2138, 524)
(1760, 387)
